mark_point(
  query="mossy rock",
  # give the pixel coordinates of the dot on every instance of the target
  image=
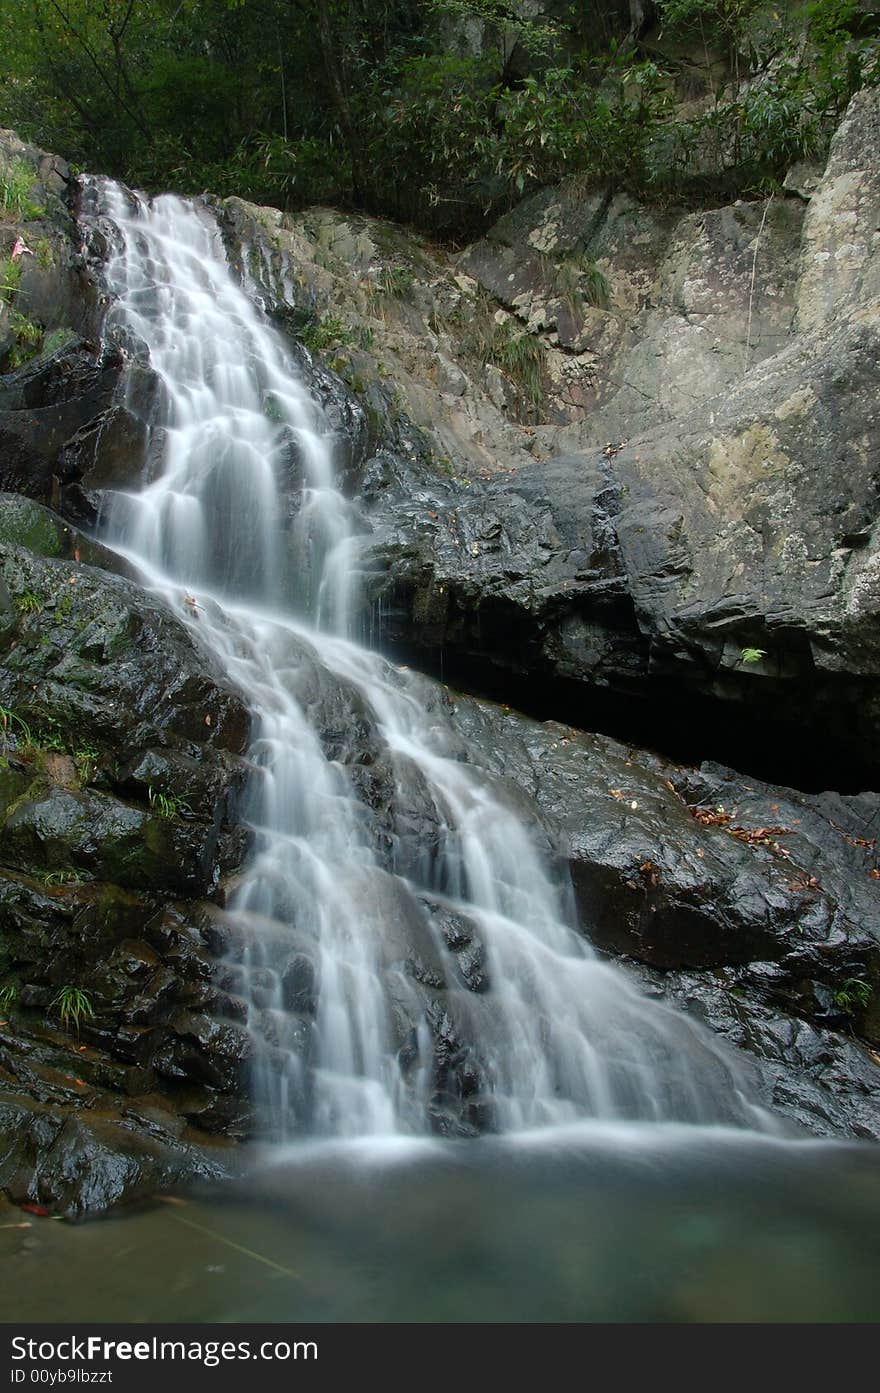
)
(108, 839)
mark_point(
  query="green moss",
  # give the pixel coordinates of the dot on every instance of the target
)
(59, 338)
(26, 524)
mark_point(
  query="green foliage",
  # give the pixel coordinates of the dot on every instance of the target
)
(855, 994)
(8, 996)
(10, 275)
(520, 356)
(13, 730)
(42, 252)
(63, 877)
(72, 1005)
(382, 105)
(167, 804)
(28, 603)
(85, 759)
(328, 332)
(577, 277)
(395, 280)
(28, 340)
(752, 655)
(16, 183)
(50, 737)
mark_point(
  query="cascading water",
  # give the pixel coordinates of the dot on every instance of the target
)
(349, 1037)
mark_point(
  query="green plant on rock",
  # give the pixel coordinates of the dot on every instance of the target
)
(86, 757)
(16, 182)
(329, 332)
(28, 603)
(43, 253)
(63, 877)
(10, 276)
(167, 804)
(597, 287)
(752, 655)
(395, 280)
(13, 728)
(73, 1006)
(520, 356)
(8, 996)
(50, 739)
(28, 339)
(854, 994)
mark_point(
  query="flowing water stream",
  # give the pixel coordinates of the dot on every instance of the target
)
(628, 1176)
(242, 529)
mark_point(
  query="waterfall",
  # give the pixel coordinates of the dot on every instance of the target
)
(349, 938)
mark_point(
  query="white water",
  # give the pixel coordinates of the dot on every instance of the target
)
(343, 1036)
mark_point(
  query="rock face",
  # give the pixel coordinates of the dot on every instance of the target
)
(710, 381)
(729, 556)
(120, 775)
(752, 906)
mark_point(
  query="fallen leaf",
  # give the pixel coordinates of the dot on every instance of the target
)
(37, 1209)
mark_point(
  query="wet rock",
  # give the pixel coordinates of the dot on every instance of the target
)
(120, 785)
(824, 1081)
(99, 656)
(82, 1166)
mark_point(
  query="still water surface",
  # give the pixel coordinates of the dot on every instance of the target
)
(594, 1223)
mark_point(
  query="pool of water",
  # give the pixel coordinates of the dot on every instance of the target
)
(658, 1224)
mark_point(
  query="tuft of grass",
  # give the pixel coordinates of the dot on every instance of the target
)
(520, 356)
(167, 804)
(13, 728)
(16, 184)
(85, 758)
(597, 287)
(28, 339)
(8, 996)
(10, 276)
(28, 603)
(65, 877)
(395, 280)
(854, 994)
(73, 1005)
(483, 338)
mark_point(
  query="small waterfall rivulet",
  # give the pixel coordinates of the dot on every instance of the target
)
(345, 1040)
